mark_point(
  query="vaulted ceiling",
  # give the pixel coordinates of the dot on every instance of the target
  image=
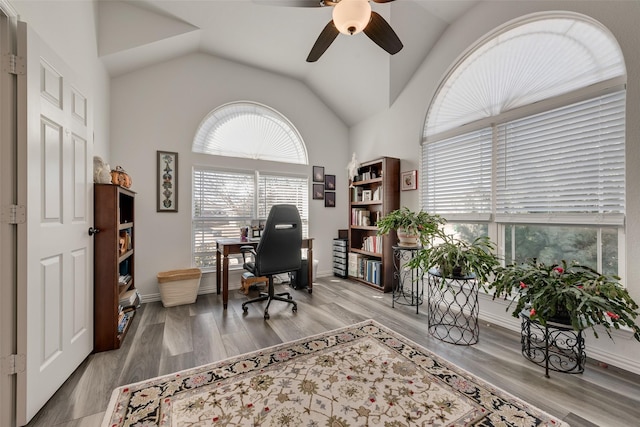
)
(354, 77)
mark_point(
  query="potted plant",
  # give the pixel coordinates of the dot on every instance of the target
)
(573, 294)
(412, 227)
(455, 258)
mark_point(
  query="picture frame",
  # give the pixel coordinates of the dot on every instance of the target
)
(167, 181)
(366, 195)
(330, 182)
(318, 174)
(329, 199)
(409, 180)
(318, 191)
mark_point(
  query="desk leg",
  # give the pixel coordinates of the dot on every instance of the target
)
(225, 281)
(310, 267)
(217, 269)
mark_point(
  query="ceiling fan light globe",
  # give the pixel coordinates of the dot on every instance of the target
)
(351, 16)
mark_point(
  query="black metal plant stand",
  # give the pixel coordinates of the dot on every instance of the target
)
(453, 308)
(555, 346)
(410, 288)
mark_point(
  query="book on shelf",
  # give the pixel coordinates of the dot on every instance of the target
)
(360, 217)
(372, 244)
(124, 279)
(129, 299)
(122, 322)
(356, 194)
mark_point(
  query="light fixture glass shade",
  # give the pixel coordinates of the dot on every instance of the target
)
(351, 16)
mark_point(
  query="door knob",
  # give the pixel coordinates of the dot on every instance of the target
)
(93, 231)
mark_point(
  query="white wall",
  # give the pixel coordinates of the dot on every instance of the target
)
(402, 125)
(160, 108)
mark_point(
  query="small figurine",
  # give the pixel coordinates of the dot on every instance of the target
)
(352, 168)
(101, 171)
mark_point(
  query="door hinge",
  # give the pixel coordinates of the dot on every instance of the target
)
(14, 364)
(14, 214)
(14, 64)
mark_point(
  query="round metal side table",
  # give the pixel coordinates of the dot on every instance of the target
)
(453, 308)
(555, 346)
(410, 288)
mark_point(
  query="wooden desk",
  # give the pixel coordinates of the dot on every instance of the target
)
(226, 247)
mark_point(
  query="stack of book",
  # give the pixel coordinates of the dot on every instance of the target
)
(124, 280)
(129, 300)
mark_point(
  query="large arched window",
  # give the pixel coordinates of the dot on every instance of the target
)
(250, 130)
(226, 200)
(525, 141)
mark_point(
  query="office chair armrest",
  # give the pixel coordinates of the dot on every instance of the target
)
(247, 250)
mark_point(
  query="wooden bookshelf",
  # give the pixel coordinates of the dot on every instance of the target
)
(374, 194)
(114, 256)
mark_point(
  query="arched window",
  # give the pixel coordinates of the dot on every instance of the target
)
(250, 130)
(224, 201)
(525, 140)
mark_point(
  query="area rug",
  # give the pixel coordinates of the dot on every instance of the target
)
(361, 375)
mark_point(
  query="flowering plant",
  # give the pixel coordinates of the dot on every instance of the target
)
(571, 294)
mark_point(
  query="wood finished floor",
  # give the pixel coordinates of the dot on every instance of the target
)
(164, 340)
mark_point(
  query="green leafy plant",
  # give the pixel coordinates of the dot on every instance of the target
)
(421, 223)
(454, 258)
(571, 294)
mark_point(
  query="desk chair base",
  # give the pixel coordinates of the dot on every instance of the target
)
(270, 296)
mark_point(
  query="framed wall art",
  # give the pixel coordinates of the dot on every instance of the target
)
(409, 180)
(167, 181)
(329, 199)
(318, 174)
(318, 191)
(330, 182)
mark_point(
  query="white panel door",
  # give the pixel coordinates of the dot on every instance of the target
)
(55, 252)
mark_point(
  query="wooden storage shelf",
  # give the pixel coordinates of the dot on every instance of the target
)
(381, 183)
(113, 216)
(363, 252)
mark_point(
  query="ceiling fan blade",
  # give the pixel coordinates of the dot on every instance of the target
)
(291, 3)
(326, 37)
(382, 34)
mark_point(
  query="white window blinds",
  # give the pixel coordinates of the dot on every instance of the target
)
(457, 176)
(250, 130)
(565, 162)
(225, 201)
(222, 203)
(274, 190)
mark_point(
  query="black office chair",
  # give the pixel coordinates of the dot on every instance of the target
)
(279, 251)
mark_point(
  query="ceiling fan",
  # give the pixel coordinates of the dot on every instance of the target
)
(349, 17)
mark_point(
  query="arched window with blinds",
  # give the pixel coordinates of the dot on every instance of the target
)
(526, 134)
(225, 200)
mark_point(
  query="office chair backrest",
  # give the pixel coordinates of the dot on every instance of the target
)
(281, 241)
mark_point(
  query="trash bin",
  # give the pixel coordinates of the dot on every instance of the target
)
(299, 278)
(179, 287)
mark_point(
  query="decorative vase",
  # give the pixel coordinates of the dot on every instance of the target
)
(407, 238)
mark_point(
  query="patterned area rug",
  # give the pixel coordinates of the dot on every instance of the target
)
(361, 375)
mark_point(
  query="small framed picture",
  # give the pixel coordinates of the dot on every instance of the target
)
(330, 182)
(318, 191)
(366, 195)
(409, 180)
(329, 199)
(318, 174)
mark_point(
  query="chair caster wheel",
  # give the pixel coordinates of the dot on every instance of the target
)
(294, 309)
(245, 310)
(289, 297)
(266, 316)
